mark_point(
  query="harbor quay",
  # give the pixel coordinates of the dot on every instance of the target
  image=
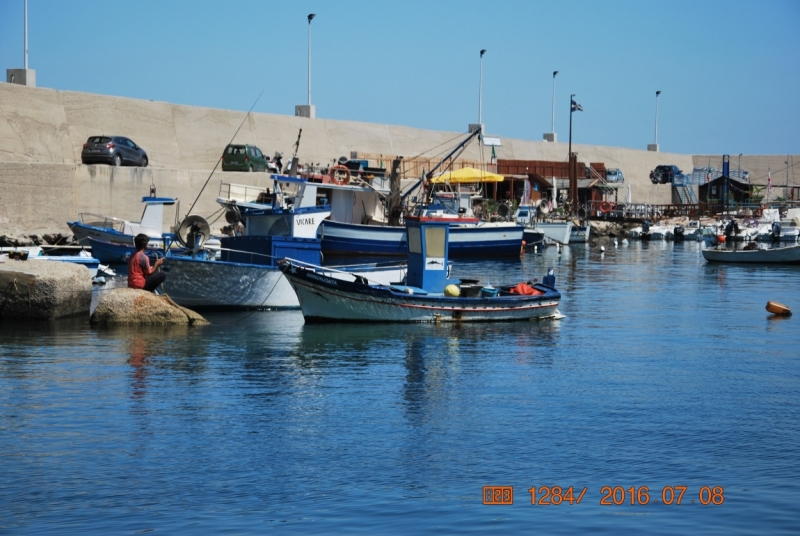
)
(43, 183)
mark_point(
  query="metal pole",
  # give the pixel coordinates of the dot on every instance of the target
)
(657, 94)
(480, 90)
(787, 177)
(310, 17)
(740, 166)
(26, 34)
(572, 194)
(553, 123)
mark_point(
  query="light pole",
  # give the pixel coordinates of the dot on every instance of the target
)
(480, 89)
(310, 18)
(654, 146)
(656, 140)
(553, 123)
(26, 34)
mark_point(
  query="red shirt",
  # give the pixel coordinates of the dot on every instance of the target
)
(138, 270)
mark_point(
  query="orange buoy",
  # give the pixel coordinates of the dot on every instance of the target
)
(721, 239)
(778, 309)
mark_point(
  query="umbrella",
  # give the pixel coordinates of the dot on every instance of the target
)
(467, 174)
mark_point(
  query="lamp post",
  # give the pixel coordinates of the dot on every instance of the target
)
(656, 140)
(26, 34)
(654, 146)
(553, 122)
(307, 110)
(310, 18)
(480, 89)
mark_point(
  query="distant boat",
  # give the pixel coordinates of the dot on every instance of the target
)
(537, 231)
(428, 295)
(757, 255)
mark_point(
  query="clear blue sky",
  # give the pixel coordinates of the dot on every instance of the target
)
(729, 71)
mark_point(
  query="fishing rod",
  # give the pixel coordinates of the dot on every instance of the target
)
(220, 158)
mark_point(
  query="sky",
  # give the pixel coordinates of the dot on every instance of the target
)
(728, 71)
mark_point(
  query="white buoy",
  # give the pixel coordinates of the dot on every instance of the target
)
(602, 248)
(615, 242)
(624, 241)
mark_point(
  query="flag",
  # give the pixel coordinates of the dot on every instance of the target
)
(576, 107)
(769, 182)
(708, 173)
(494, 156)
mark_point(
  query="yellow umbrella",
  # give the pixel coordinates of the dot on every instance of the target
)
(467, 174)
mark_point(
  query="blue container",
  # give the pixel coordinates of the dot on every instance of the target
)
(489, 292)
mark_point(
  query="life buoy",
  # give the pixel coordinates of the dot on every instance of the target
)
(605, 207)
(334, 173)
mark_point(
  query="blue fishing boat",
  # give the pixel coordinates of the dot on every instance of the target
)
(118, 231)
(428, 294)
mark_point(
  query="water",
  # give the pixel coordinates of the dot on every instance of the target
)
(666, 371)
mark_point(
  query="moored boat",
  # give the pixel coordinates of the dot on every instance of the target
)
(427, 295)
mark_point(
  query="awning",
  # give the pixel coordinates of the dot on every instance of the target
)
(467, 174)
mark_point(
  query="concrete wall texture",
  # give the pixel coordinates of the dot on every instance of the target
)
(42, 131)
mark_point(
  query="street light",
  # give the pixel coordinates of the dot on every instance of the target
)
(656, 140)
(480, 90)
(310, 18)
(553, 124)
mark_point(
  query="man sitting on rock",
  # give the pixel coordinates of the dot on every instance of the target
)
(140, 275)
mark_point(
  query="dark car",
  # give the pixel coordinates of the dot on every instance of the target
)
(114, 150)
(664, 174)
(243, 158)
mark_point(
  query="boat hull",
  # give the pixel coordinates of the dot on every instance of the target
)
(782, 255)
(486, 240)
(203, 284)
(220, 285)
(579, 234)
(323, 299)
(116, 252)
(554, 231)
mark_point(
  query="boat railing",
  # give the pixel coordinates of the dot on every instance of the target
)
(240, 192)
(100, 220)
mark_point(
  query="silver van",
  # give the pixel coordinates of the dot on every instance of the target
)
(614, 175)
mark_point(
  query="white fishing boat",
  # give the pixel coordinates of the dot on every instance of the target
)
(427, 295)
(536, 231)
(760, 254)
(270, 225)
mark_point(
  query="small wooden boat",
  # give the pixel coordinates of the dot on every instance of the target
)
(778, 309)
(427, 295)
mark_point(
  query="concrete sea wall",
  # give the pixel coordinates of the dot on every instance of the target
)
(42, 131)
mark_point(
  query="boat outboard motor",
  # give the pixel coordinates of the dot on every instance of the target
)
(677, 233)
(776, 231)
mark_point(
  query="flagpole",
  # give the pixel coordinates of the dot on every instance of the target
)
(572, 194)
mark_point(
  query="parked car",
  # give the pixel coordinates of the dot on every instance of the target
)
(614, 175)
(664, 174)
(244, 158)
(114, 150)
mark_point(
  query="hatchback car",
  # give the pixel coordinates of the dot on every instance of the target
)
(614, 175)
(243, 158)
(114, 150)
(664, 174)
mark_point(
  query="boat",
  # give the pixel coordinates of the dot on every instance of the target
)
(428, 294)
(535, 231)
(580, 233)
(117, 231)
(751, 253)
(36, 253)
(267, 226)
(359, 225)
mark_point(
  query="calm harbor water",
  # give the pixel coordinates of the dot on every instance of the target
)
(666, 371)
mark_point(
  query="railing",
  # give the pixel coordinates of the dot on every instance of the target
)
(240, 192)
(99, 220)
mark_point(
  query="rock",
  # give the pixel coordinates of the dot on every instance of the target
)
(134, 306)
(43, 290)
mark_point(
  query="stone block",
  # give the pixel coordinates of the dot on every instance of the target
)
(133, 306)
(43, 290)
